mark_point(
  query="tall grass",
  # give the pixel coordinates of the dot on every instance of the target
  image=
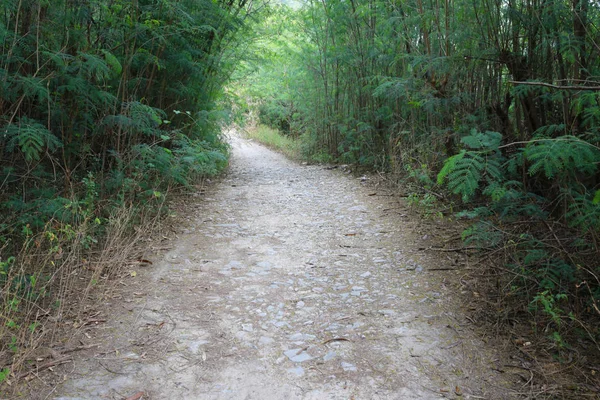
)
(273, 139)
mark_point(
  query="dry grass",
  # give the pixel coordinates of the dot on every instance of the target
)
(274, 140)
(54, 281)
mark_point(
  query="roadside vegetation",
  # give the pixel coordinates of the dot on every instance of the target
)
(489, 109)
(105, 108)
(273, 139)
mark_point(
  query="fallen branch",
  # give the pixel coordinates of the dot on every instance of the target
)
(79, 348)
(559, 87)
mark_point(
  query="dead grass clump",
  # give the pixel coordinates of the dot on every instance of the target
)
(47, 289)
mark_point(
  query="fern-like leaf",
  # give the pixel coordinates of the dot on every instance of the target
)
(465, 177)
(482, 140)
(30, 137)
(34, 88)
(449, 165)
(584, 213)
(562, 156)
(94, 67)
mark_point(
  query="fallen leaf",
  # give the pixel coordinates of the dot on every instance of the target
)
(336, 339)
(136, 396)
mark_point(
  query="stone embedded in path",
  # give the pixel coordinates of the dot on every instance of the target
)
(298, 371)
(234, 265)
(297, 355)
(348, 367)
(265, 340)
(301, 337)
(195, 345)
(264, 264)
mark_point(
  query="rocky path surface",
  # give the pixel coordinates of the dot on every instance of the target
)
(288, 282)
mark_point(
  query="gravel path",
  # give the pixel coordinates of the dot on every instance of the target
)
(288, 282)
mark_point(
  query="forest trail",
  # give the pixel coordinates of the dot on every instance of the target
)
(288, 282)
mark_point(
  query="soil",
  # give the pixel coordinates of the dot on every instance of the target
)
(288, 281)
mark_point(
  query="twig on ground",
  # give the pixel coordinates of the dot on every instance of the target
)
(44, 366)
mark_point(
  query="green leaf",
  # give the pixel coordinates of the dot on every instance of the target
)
(596, 199)
(4, 374)
(449, 165)
(112, 61)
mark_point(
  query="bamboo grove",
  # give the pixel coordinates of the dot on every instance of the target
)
(104, 105)
(118, 92)
(494, 101)
(491, 105)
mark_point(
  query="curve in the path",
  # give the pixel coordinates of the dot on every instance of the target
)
(289, 282)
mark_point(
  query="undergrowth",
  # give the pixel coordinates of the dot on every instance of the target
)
(58, 254)
(275, 140)
(548, 233)
(105, 107)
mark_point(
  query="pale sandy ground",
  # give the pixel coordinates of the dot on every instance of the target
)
(287, 282)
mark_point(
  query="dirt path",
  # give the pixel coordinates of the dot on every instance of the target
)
(289, 282)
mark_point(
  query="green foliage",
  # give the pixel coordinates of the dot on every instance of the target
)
(276, 115)
(596, 199)
(482, 235)
(4, 374)
(31, 138)
(421, 174)
(275, 140)
(98, 101)
(5, 269)
(426, 203)
(549, 305)
(583, 213)
(466, 170)
(482, 141)
(87, 127)
(484, 92)
(562, 157)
